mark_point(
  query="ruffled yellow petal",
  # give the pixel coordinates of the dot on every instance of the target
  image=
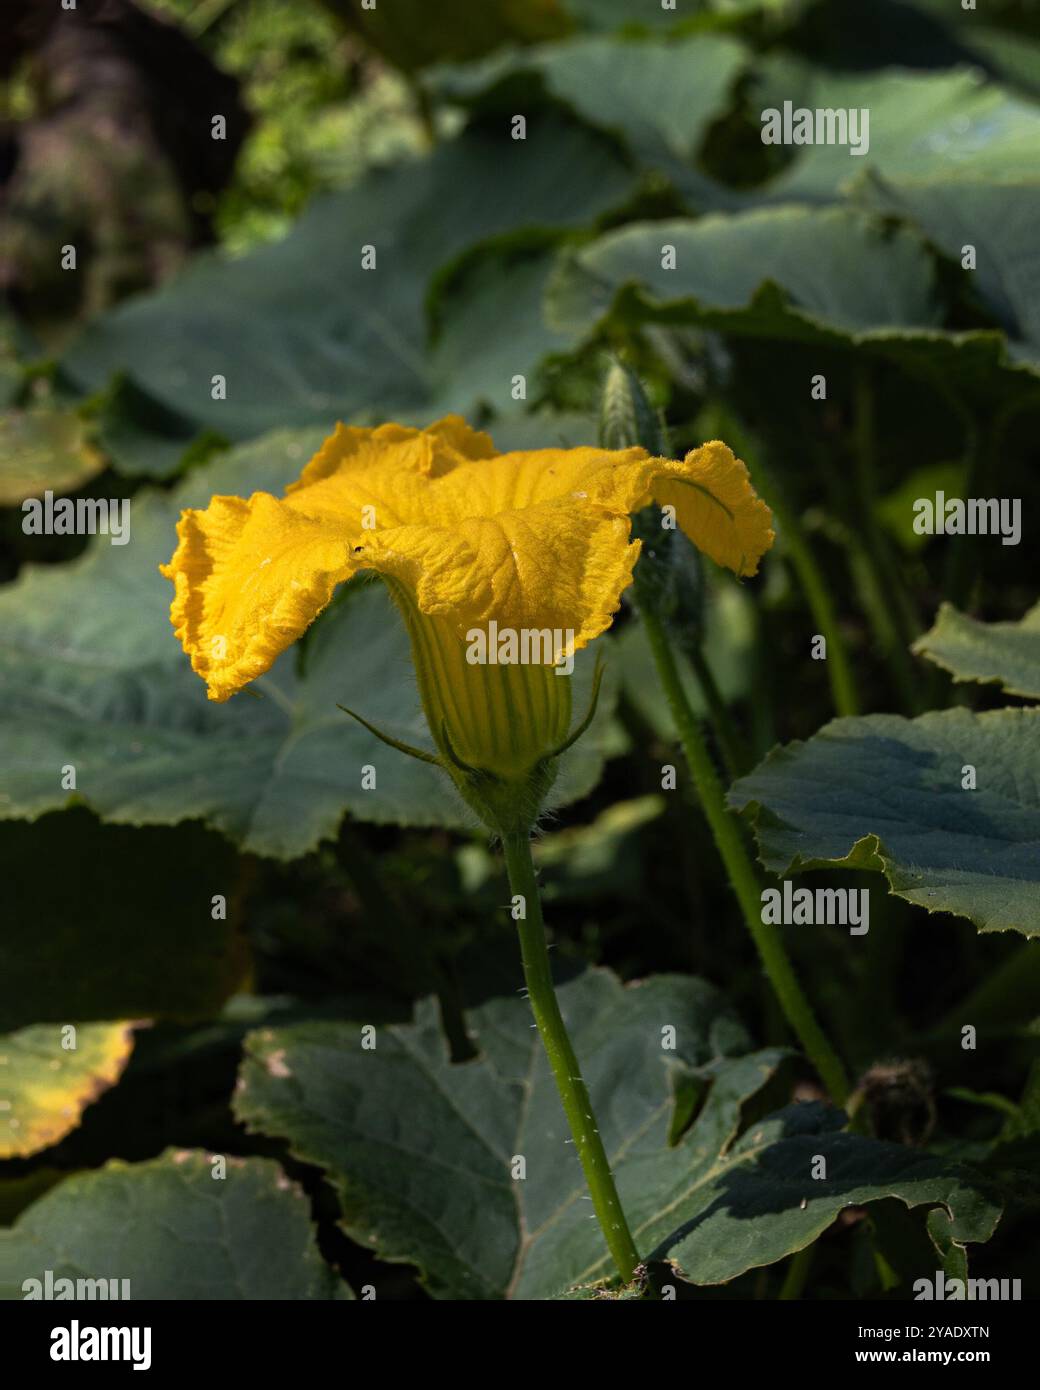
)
(395, 449)
(533, 540)
(710, 490)
(249, 578)
(559, 565)
(716, 506)
(513, 482)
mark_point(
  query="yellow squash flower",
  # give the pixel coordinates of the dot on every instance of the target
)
(465, 538)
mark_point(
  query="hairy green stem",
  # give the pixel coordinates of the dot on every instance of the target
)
(573, 1092)
(743, 876)
(731, 747)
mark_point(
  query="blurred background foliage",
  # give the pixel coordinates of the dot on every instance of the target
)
(346, 126)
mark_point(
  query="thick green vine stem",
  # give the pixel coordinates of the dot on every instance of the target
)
(564, 1063)
(740, 868)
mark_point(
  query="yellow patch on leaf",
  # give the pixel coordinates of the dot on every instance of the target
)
(45, 1088)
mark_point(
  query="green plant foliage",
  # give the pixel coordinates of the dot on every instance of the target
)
(44, 1086)
(281, 941)
(444, 1192)
(1007, 654)
(122, 707)
(995, 219)
(823, 277)
(886, 793)
(247, 1236)
(292, 354)
(660, 97)
(41, 449)
(722, 264)
(917, 120)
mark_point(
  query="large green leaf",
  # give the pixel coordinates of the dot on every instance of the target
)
(49, 1075)
(660, 96)
(886, 793)
(920, 124)
(1005, 653)
(301, 331)
(44, 448)
(175, 1230)
(840, 274)
(827, 276)
(143, 439)
(757, 1202)
(999, 221)
(494, 329)
(92, 678)
(423, 1153)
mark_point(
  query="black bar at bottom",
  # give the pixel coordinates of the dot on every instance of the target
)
(212, 1337)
